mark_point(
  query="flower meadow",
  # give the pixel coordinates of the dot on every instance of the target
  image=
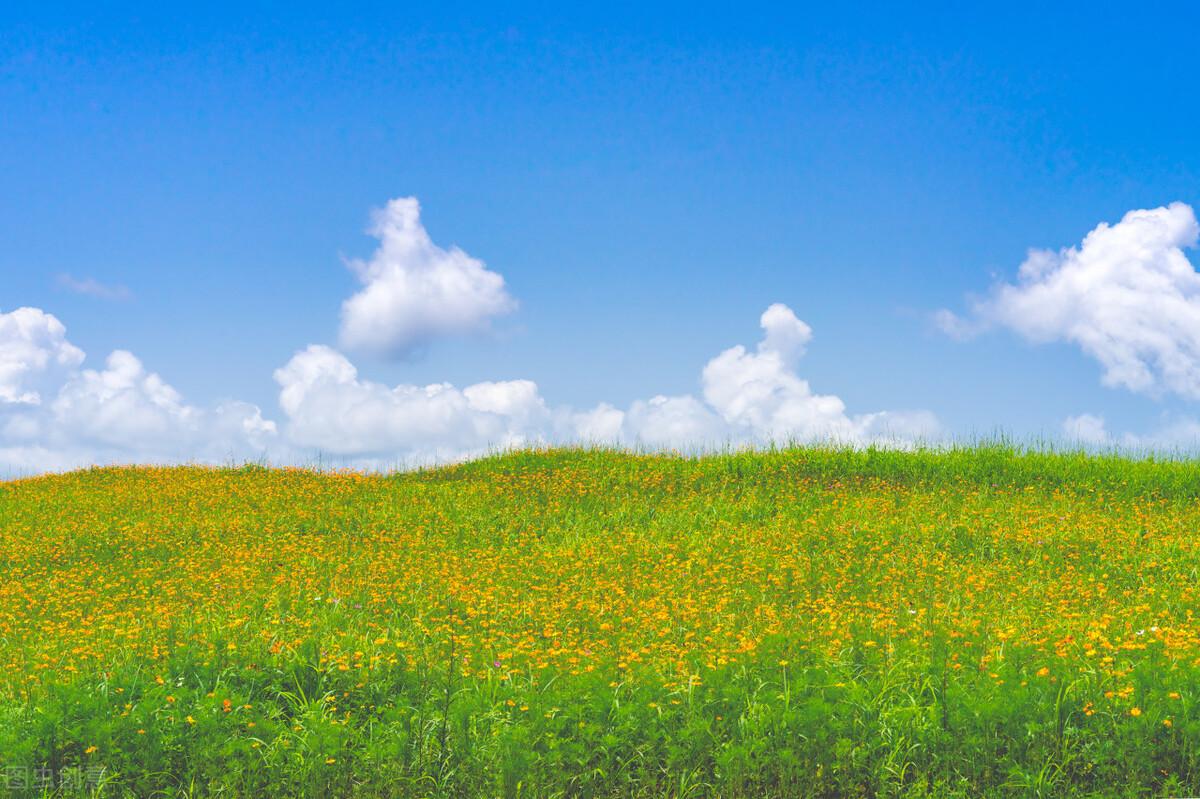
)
(800, 622)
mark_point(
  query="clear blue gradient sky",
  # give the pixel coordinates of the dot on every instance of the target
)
(647, 181)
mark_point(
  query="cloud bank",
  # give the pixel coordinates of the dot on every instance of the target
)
(57, 414)
(54, 414)
(748, 397)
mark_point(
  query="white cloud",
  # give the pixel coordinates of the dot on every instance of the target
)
(54, 413)
(1127, 296)
(748, 397)
(672, 422)
(414, 290)
(1181, 434)
(761, 398)
(600, 425)
(34, 352)
(124, 408)
(761, 394)
(1086, 428)
(332, 410)
(93, 288)
(119, 414)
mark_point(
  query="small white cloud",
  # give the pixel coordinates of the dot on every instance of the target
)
(93, 288)
(1086, 428)
(413, 290)
(1127, 296)
(761, 398)
(34, 353)
(783, 333)
(760, 394)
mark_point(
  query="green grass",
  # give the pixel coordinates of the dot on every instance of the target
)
(978, 621)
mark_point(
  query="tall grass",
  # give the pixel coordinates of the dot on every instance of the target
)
(806, 621)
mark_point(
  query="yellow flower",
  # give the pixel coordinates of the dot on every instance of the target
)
(1044, 671)
(90, 749)
(1135, 711)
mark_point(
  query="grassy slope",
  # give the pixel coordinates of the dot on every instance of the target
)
(822, 622)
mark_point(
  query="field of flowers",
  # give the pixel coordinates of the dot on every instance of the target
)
(807, 622)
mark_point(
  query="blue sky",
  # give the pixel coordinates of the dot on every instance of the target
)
(647, 182)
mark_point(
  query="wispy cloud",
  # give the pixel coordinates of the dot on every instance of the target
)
(94, 288)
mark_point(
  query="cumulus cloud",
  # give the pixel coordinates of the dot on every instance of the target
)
(747, 397)
(413, 290)
(58, 414)
(55, 414)
(124, 408)
(1127, 296)
(332, 410)
(760, 397)
(34, 352)
(760, 392)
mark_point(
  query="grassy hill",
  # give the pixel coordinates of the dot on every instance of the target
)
(807, 622)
